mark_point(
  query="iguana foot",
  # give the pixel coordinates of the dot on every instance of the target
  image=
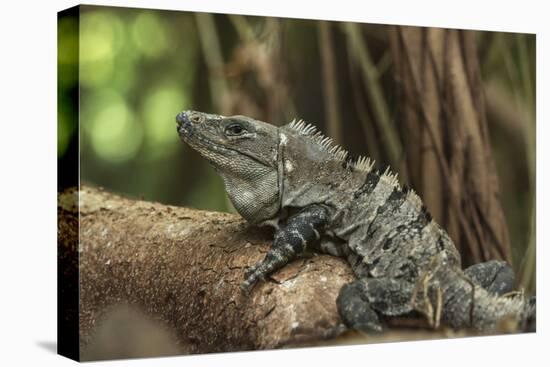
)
(251, 276)
(496, 276)
(355, 310)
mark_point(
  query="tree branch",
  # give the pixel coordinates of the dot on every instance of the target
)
(183, 267)
(163, 280)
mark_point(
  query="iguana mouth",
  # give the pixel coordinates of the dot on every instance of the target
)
(188, 134)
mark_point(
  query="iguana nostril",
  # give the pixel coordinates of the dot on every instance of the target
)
(180, 118)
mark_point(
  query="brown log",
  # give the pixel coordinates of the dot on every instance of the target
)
(182, 268)
(163, 280)
(448, 152)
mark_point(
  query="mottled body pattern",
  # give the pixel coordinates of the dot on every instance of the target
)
(294, 179)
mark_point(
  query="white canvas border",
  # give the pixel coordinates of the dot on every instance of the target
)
(27, 153)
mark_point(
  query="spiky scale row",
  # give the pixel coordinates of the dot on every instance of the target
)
(302, 127)
(310, 131)
(363, 164)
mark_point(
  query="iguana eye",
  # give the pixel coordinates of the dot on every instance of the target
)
(196, 118)
(235, 130)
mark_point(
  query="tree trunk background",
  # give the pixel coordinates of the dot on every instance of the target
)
(447, 148)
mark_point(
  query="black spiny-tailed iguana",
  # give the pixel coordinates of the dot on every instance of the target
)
(296, 180)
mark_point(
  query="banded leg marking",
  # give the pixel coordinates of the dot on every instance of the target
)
(290, 241)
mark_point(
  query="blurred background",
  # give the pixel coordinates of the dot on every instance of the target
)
(138, 68)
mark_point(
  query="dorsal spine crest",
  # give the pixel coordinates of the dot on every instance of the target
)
(326, 143)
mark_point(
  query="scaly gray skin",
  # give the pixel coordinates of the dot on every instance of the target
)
(294, 179)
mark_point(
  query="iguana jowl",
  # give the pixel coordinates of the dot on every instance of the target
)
(296, 180)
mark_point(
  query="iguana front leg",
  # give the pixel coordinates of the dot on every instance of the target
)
(291, 240)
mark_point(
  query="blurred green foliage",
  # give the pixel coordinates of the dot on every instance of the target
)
(137, 68)
(136, 71)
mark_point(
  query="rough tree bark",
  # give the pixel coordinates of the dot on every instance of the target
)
(447, 149)
(183, 267)
(141, 263)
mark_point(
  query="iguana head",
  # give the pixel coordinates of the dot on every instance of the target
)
(244, 152)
